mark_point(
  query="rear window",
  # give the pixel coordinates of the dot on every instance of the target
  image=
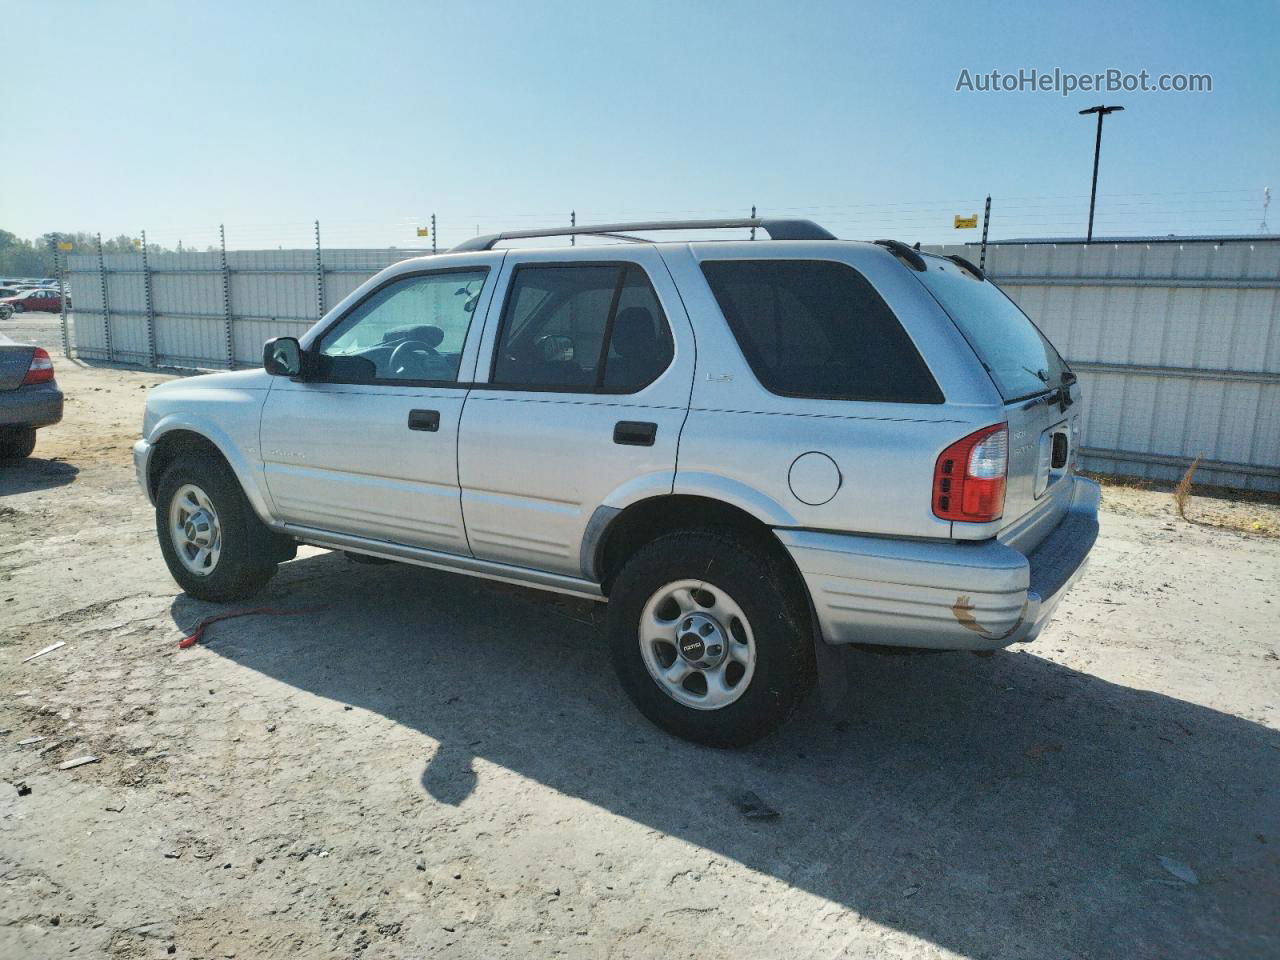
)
(814, 328)
(1021, 360)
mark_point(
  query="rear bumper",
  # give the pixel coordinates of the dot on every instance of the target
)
(945, 596)
(38, 405)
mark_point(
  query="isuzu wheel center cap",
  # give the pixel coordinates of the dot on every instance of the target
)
(701, 641)
(197, 528)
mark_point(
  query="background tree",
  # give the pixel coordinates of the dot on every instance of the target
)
(35, 258)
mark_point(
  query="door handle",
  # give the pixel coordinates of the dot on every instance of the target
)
(428, 420)
(635, 433)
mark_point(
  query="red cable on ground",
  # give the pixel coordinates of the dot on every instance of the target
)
(194, 637)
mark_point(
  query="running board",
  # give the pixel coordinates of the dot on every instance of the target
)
(452, 563)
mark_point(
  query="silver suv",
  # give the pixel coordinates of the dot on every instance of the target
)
(755, 451)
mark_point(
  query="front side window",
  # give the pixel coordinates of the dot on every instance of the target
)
(595, 327)
(412, 329)
(815, 328)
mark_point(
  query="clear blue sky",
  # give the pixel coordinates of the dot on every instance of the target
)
(369, 116)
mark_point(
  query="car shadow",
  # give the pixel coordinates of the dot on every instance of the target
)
(34, 473)
(94, 363)
(1003, 806)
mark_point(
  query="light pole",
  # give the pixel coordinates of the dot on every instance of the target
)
(1101, 111)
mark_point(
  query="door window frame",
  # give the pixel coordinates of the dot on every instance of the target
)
(474, 329)
(598, 388)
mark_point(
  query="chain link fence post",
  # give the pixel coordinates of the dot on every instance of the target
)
(433, 233)
(106, 309)
(986, 218)
(320, 274)
(227, 332)
(58, 271)
(148, 305)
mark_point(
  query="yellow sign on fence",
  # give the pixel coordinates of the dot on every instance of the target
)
(966, 223)
(424, 232)
(65, 245)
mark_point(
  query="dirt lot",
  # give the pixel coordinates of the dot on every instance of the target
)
(430, 766)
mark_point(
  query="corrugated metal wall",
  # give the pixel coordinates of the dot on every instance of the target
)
(1177, 344)
(202, 315)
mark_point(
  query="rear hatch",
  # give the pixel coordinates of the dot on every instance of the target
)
(1041, 398)
(15, 358)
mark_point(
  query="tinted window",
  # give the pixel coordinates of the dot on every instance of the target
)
(1016, 354)
(813, 328)
(411, 329)
(558, 319)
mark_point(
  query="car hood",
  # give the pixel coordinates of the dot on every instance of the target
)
(257, 379)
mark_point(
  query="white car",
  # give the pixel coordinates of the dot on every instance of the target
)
(755, 451)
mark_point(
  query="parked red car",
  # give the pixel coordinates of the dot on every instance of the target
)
(46, 300)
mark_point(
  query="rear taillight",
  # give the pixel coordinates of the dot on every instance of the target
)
(969, 478)
(41, 369)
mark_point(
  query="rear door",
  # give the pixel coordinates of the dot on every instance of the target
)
(1041, 398)
(583, 387)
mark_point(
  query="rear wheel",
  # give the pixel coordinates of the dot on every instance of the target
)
(213, 543)
(710, 638)
(6, 311)
(17, 443)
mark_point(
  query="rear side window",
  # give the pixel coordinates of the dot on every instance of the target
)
(1019, 358)
(814, 328)
(595, 327)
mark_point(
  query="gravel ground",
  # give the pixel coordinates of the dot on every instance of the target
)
(424, 764)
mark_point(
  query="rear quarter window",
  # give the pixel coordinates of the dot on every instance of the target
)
(816, 328)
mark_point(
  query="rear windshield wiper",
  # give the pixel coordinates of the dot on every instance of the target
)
(1041, 375)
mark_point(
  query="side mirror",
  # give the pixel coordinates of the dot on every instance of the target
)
(282, 357)
(556, 349)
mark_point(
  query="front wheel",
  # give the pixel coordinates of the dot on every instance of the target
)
(213, 543)
(6, 311)
(710, 637)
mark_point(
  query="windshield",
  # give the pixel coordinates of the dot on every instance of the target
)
(1020, 359)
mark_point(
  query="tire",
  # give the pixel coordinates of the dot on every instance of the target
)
(766, 659)
(6, 311)
(17, 443)
(242, 552)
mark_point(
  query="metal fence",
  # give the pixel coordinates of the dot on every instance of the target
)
(1177, 343)
(207, 310)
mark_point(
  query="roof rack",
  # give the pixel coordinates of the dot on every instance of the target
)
(777, 230)
(962, 262)
(910, 255)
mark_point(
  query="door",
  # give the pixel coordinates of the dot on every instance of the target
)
(583, 388)
(369, 446)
